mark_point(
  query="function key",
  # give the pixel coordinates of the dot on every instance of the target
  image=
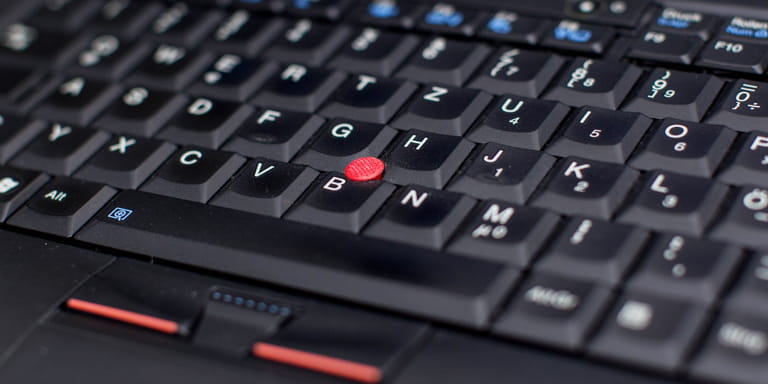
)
(127, 18)
(447, 18)
(749, 165)
(328, 9)
(511, 27)
(575, 36)
(744, 107)
(308, 42)
(375, 51)
(184, 25)
(685, 22)
(170, 67)
(274, 133)
(730, 55)
(244, 33)
(445, 110)
(666, 47)
(517, 71)
(445, 61)
(299, 88)
(746, 221)
(108, 57)
(68, 15)
(746, 29)
(598, 83)
(391, 13)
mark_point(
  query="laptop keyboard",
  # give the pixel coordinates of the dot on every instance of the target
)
(595, 185)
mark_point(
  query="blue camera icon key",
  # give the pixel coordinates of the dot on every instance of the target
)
(120, 214)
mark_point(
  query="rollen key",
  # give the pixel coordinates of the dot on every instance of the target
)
(140, 112)
(339, 203)
(170, 67)
(61, 149)
(62, 206)
(736, 56)
(420, 216)
(374, 51)
(368, 98)
(517, 71)
(503, 232)
(444, 110)
(425, 158)
(16, 186)
(125, 162)
(77, 100)
(594, 250)
(599, 83)
(675, 202)
(746, 219)
(741, 107)
(586, 187)
(233, 78)
(749, 164)
(444, 61)
(502, 172)
(194, 173)
(308, 42)
(266, 187)
(341, 141)
(655, 45)
(520, 122)
(16, 132)
(205, 122)
(298, 88)
(684, 147)
(669, 93)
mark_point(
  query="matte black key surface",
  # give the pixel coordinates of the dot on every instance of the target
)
(746, 220)
(425, 158)
(341, 141)
(686, 22)
(328, 9)
(62, 206)
(64, 15)
(456, 289)
(206, 122)
(420, 216)
(741, 108)
(18, 86)
(601, 134)
(339, 203)
(684, 147)
(108, 57)
(244, 33)
(274, 133)
(61, 149)
(23, 45)
(734, 56)
(15, 132)
(447, 18)
(669, 93)
(750, 293)
(445, 61)
(369, 98)
(308, 42)
(125, 162)
(594, 250)
(509, 26)
(127, 18)
(686, 268)
(298, 88)
(375, 51)
(502, 172)
(140, 112)
(594, 82)
(735, 350)
(520, 122)
(16, 186)
(675, 202)
(444, 110)
(184, 25)
(170, 67)
(77, 100)
(266, 187)
(649, 331)
(233, 78)
(587, 187)
(666, 47)
(554, 311)
(749, 165)
(517, 71)
(503, 232)
(575, 36)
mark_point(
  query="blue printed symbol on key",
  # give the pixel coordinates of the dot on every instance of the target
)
(571, 31)
(502, 22)
(444, 14)
(120, 214)
(303, 4)
(383, 9)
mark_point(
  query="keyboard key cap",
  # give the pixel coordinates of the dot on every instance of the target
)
(675, 202)
(741, 108)
(749, 165)
(601, 134)
(368, 98)
(745, 29)
(516, 71)
(734, 56)
(442, 110)
(400, 14)
(445, 61)
(594, 250)
(328, 9)
(746, 219)
(125, 17)
(686, 268)
(62, 206)
(181, 24)
(686, 22)
(501, 172)
(666, 47)
(206, 122)
(750, 293)
(375, 51)
(194, 173)
(520, 122)
(669, 93)
(77, 100)
(244, 33)
(586, 187)
(649, 331)
(275, 134)
(503, 232)
(341, 141)
(421, 216)
(680, 146)
(575, 36)
(299, 88)
(425, 158)
(25, 46)
(15, 133)
(266, 187)
(233, 78)
(61, 149)
(16, 186)
(107, 57)
(511, 27)
(554, 311)
(64, 15)
(596, 83)
(170, 67)
(125, 162)
(19, 88)
(447, 18)
(308, 42)
(339, 203)
(140, 112)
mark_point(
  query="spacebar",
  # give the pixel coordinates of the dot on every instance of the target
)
(390, 275)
